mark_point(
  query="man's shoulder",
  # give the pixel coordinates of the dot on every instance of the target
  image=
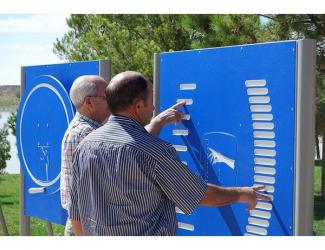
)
(155, 144)
(155, 139)
(78, 129)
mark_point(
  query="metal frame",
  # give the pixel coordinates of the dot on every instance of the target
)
(49, 228)
(305, 137)
(3, 223)
(105, 69)
(24, 220)
(156, 83)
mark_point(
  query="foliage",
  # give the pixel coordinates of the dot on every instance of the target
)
(311, 26)
(11, 122)
(4, 148)
(223, 30)
(130, 41)
(127, 40)
(319, 202)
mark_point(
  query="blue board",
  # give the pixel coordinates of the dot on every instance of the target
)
(240, 132)
(43, 116)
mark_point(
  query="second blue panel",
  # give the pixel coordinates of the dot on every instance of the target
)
(241, 111)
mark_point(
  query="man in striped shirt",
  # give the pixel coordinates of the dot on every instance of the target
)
(127, 181)
(87, 94)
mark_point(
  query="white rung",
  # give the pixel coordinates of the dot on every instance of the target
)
(255, 83)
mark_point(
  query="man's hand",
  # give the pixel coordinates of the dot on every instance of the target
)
(249, 195)
(77, 227)
(166, 117)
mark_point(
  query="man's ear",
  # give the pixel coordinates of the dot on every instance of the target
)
(138, 104)
(87, 101)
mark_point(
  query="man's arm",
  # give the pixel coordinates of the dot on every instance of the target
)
(77, 228)
(168, 116)
(222, 196)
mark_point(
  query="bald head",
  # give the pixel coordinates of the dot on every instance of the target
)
(83, 86)
(124, 89)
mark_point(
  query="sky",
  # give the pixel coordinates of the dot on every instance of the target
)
(27, 40)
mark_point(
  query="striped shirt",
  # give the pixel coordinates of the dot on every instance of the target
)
(128, 182)
(79, 127)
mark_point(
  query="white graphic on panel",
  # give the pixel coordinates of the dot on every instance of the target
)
(43, 151)
(217, 157)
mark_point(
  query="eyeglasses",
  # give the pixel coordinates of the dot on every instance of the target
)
(101, 96)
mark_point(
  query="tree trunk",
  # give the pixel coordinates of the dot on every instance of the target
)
(323, 165)
(317, 147)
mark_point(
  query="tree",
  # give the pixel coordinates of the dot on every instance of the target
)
(130, 40)
(223, 30)
(4, 149)
(127, 40)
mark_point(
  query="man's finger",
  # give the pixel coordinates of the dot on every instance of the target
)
(178, 105)
(251, 205)
(180, 115)
(258, 187)
(263, 197)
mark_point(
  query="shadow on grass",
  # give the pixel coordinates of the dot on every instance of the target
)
(5, 196)
(318, 163)
(319, 208)
(7, 203)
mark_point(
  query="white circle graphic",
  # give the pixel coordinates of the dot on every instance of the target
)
(55, 91)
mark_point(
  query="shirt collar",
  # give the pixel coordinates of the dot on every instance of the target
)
(121, 119)
(84, 118)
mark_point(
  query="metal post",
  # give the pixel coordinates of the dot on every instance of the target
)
(105, 69)
(305, 136)
(49, 228)
(24, 220)
(3, 223)
(156, 83)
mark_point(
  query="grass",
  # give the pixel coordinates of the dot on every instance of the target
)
(9, 198)
(319, 203)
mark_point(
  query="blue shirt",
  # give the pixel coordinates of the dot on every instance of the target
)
(128, 182)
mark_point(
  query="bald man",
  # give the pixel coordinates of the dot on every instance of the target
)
(87, 94)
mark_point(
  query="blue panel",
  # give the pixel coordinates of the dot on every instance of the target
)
(241, 130)
(44, 114)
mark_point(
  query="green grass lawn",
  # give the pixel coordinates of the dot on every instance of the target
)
(9, 198)
(319, 203)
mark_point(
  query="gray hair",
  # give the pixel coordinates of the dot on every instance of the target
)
(83, 86)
